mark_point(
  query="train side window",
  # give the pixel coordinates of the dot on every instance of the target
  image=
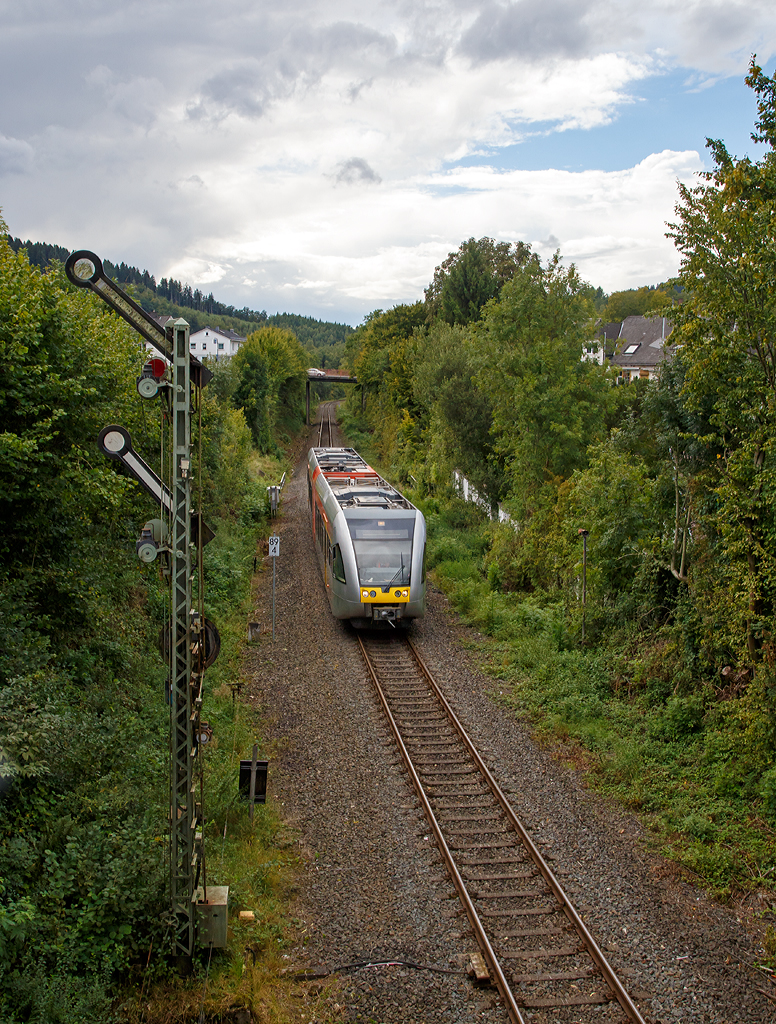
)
(338, 566)
(310, 491)
(423, 566)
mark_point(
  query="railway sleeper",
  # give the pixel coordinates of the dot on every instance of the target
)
(520, 912)
(436, 760)
(504, 876)
(528, 932)
(493, 862)
(581, 975)
(438, 789)
(498, 845)
(415, 720)
(421, 732)
(518, 894)
(510, 894)
(415, 706)
(538, 1003)
(492, 826)
(542, 954)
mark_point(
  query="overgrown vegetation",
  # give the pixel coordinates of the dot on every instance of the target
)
(83, 719)
(670, 700)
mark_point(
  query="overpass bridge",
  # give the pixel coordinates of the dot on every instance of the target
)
(325, 377)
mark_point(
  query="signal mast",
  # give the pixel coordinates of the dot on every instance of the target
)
(190, 643)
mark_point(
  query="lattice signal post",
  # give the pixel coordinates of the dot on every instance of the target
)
(189, 636)
(185, 684)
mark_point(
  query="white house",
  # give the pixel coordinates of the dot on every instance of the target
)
(215, 342)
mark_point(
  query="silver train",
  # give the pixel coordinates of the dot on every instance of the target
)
(371, 541)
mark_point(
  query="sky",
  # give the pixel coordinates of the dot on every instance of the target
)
(323, 158)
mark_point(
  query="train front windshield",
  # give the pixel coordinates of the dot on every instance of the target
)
(383, 550)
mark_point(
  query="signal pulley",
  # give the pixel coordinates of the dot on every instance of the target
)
(152, 540)
(151, 379)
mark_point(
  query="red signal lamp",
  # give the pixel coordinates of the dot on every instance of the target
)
(150, 379)
(155, 368)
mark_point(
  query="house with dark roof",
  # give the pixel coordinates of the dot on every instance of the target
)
(642, 346)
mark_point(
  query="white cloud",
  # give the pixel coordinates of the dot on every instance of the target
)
(198, 272)
(15, 156)
(612, 224)
(300, 153)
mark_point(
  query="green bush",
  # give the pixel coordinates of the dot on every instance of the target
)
(767, 792)
(679, 718)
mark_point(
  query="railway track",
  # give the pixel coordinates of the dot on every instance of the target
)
(539, 953)
(325, 429)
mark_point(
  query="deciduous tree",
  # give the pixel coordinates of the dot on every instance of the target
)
(726, 234)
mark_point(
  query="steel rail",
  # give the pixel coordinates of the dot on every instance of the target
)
(482, 939)
(325, 417)
(584, 934)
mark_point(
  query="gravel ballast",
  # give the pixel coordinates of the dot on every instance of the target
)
(373, 887)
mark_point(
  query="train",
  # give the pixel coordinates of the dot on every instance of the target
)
(370, 540)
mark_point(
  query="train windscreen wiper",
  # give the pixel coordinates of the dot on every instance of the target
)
(400, 573)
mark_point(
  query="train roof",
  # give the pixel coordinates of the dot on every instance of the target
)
(353, 482)
(341, 460)
(368, 497)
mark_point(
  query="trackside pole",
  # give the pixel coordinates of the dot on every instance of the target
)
(252, 796)
(184, 683)
(274, 551)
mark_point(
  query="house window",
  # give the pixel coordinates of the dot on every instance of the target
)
(193, 344)
(630, 349)
(204, 346)
(643, 374)
(220, 345)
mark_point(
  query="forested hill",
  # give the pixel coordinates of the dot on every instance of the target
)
(170, 296)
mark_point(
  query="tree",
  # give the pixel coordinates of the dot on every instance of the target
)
(68, 365)
(379, 351)
(458, 414)
(472, 275)
(272, 370)
(468, 286)
(726, 234)
(548, 403)
(634, 302)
